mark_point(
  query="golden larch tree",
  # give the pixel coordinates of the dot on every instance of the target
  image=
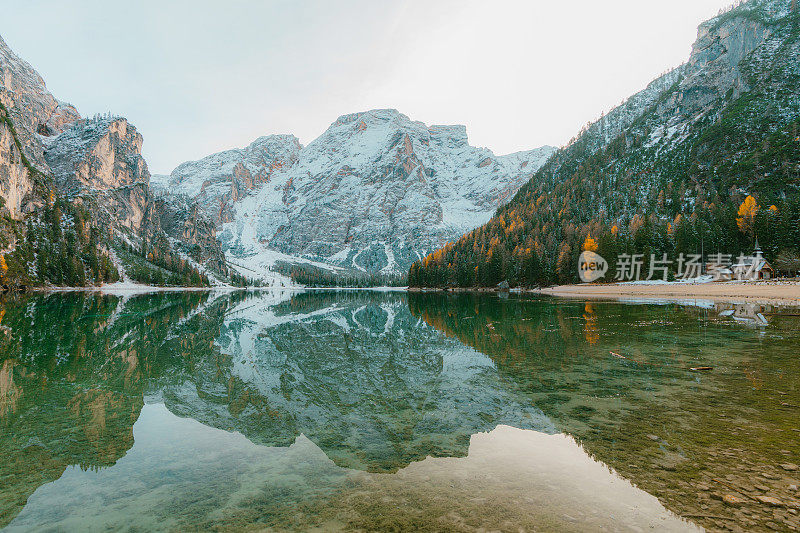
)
(589, 245)
(747, 214)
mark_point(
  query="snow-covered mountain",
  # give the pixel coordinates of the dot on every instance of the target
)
(375, 192)
(218, 181)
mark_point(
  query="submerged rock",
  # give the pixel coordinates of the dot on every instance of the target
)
(770, 500)
(733, 501)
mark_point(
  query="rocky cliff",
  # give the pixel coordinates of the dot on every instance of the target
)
(373, 193)
(28, 113)
(100, 160)
(83, 187)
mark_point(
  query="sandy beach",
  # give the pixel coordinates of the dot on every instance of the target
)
(764, 292)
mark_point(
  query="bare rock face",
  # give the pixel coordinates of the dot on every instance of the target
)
(100, 160)
(34, 114)
(191, 230)
(33, 109)
(16, 185)
(218, 181)
(714, 67)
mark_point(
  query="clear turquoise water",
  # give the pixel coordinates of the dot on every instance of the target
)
(376, 411)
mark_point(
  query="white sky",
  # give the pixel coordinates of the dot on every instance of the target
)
(196, 77)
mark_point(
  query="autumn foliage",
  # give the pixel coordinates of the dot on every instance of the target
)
(747, 214)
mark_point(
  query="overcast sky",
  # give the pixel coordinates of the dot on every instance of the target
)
(197, 76)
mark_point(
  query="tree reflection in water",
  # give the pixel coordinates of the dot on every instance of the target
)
(376, 383)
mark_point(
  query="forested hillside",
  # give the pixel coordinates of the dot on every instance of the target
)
(707, 158)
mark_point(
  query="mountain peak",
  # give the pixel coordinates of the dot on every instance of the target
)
(455, 135)
(275, 142)
(390, 120)
(372, 115)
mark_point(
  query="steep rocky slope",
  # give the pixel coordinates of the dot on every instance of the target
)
(373, 193)
(667, 171)
(219, 180)
(72, 190)
(28, 113)
(101, 159)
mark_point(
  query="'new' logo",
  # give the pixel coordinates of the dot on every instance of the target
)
(591, 267)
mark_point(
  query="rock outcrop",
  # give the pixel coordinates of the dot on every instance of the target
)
(99, 160)
(28, 114)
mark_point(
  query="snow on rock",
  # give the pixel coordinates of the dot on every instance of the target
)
(101, 158)
(374, 193)
(219, 180)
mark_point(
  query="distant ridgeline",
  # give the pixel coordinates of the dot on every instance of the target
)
(707, 157)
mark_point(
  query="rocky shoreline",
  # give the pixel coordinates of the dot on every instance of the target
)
(763, 292)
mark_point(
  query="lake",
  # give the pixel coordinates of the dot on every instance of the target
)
(359, 410)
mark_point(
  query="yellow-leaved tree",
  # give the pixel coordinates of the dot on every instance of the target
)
(589, 245)
(747, 214)
(3, 268)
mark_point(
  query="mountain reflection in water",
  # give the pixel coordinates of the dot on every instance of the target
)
(377, 410)
(179, 471)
